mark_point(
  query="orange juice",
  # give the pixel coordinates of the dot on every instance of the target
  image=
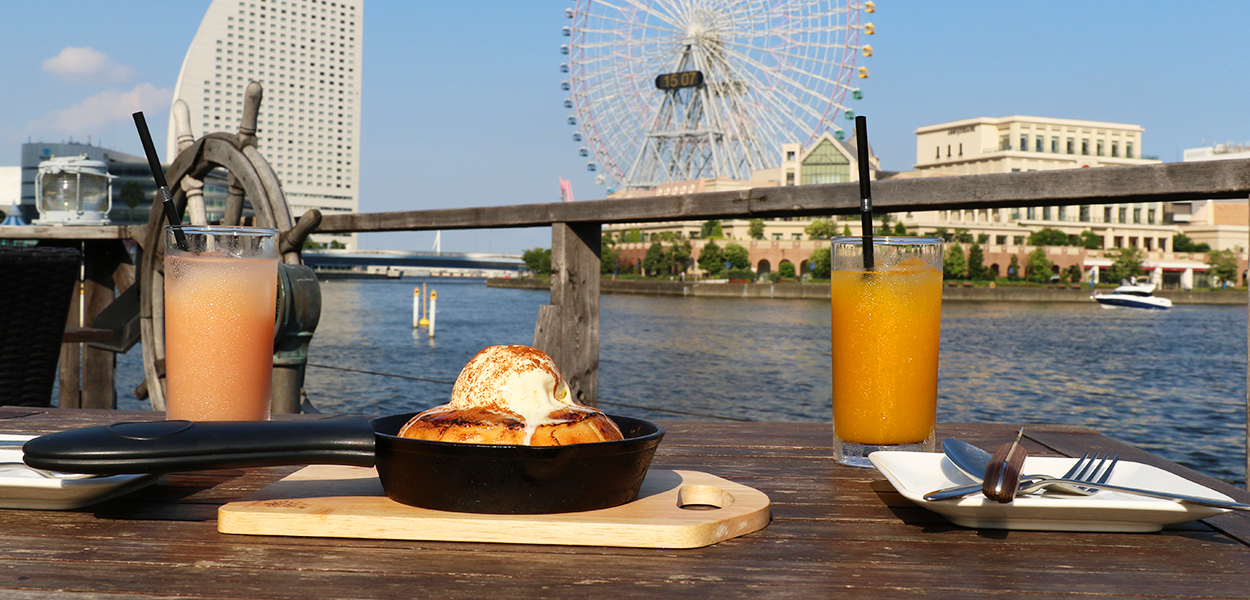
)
(885, 331)
(219, 319)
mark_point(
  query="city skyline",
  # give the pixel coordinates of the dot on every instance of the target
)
(461, 105)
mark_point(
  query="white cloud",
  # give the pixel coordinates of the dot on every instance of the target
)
(86, 64)
(103, 109)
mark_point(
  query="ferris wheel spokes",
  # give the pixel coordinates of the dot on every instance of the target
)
(772, 71)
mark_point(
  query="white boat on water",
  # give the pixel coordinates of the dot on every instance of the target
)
(1133, 295)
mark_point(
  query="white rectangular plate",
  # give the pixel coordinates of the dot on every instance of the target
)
(21, 487)
(915, 474)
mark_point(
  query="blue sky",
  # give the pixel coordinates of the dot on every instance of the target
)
(462, 105)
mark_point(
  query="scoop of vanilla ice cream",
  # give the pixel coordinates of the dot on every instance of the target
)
(517, 379)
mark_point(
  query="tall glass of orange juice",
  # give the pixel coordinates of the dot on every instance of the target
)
(220, 299)
(885, 327)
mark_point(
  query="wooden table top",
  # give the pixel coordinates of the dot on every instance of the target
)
(836, 531)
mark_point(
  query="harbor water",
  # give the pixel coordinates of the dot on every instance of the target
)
(1170, 382)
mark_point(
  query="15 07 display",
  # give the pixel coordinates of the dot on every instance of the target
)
(684, 79)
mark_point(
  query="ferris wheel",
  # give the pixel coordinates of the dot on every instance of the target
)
(673, 90)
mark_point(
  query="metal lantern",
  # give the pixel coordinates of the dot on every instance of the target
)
(73, 191)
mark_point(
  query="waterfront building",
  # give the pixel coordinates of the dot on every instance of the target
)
(1221, 224)
(985, 145)
(130, 175)
(825, 160)
(971, 147)
(307, 54)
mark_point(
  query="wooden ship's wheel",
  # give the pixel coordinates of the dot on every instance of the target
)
(251, 179)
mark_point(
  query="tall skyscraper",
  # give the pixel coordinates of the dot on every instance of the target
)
(307, 55)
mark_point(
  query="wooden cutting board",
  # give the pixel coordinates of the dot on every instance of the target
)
(339, 501)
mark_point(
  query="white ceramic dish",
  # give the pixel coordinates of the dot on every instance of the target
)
(23, 488)
(915, 474)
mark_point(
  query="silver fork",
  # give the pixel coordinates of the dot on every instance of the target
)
(1083, 471)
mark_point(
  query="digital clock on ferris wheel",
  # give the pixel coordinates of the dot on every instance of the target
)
(684, 79)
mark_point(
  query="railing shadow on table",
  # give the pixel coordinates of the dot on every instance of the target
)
(568, 328)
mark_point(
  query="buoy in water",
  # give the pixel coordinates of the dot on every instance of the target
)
(424, 322)
(433, 297)
(416, 307)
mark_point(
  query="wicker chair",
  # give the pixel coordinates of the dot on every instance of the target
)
(38, 284)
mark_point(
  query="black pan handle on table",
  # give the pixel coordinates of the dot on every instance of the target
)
(167, 446)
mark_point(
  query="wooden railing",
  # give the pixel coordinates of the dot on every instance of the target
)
(568, 329)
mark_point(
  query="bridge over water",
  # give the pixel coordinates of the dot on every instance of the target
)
(434, 261)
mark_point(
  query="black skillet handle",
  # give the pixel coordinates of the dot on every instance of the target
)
(166, 446)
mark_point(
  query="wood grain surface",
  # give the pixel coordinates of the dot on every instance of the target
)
(836, 532)
(1164, 182)
(337, 501)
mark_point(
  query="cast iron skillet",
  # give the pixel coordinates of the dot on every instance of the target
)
(479, 478)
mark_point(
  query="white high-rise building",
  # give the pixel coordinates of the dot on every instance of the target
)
(307, 55)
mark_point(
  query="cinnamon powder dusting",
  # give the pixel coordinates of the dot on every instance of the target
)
(512, 394)
(480, 382)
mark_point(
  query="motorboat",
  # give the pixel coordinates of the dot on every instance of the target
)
(1131, 294)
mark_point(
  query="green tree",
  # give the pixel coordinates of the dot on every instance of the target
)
(885, 224)
(607, 259)
(820, 263)
(737, 256)
(1074, 273)
(1223, 264)
(337, 245)
(900, 229)
(656, 260)
(1048, 237)
(1039, 268)
(942, 233)
(846, 231)
(983, 238)
(1182, 243)
(537, 261)
(1127, 264)
(711, 259)
(756, 229)
(786, 269)
(712, 230)
(678, 256)
(976, 263)
(311, 245)
(1013, 269)
(955, 264)
(822, 229)
(632, 236)
(1089, 240)
(962, 236)
(132, 195)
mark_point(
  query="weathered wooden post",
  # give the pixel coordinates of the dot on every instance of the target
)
(568, 328)
(104, 262)
(87, 373)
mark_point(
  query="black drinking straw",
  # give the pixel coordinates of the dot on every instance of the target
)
(162, 186)
(865, 188)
